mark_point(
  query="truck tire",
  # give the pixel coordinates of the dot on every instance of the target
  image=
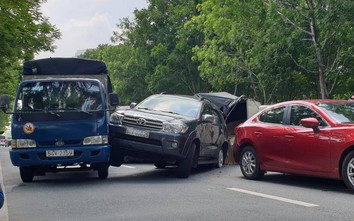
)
(102, 170)
(26, 174)
(185, 166)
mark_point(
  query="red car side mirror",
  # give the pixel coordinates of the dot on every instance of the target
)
(311, 122)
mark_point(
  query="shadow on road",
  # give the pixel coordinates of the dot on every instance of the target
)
(142, 173)
(304, 182)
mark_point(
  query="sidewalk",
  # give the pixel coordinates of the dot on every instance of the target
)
(3, 211)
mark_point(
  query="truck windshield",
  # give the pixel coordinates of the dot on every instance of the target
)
(59, 96)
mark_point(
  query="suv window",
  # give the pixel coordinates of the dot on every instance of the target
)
(300, 112)
(274, 116)
(208, 109)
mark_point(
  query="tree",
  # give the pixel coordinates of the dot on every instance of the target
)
(24, 31)
(157, 32)
(125, 65)
(238, 54)
(326, 32)
(276, 50)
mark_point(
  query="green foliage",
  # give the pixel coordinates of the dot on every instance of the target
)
(169, 46)
(126, 65)
(24, 31)
(265, 49)
(272, 50)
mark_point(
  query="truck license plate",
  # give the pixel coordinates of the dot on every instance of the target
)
(59, 153)
(137, 133)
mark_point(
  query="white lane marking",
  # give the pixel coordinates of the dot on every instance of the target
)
(274, 197)
(125, 166)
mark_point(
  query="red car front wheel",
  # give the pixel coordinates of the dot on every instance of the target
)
(348, 170)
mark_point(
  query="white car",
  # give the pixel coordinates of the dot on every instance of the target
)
(2, 140)
(7, 135)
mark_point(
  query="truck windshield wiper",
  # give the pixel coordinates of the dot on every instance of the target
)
(45, 111)
(77, 109)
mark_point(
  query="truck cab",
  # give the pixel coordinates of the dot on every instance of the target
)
(60, 117)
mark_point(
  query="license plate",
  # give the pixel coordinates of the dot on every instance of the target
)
(137, 132)
(59, 153)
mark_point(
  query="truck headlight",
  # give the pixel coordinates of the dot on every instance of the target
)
(23, 143)
(174, 127)
(116, 118)
(93, 140)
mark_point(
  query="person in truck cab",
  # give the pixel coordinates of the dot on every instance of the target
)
(92, 102)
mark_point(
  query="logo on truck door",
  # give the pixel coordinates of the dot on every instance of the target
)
(28, 128)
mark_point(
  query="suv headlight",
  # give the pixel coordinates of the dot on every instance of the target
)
(93, 140)
(116, 118)
(174, 127)
(23, 143)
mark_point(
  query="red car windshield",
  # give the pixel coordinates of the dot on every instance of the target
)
(339, 112)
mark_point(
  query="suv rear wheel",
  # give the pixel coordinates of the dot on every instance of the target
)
(220, 159)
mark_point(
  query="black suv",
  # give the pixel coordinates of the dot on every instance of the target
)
(170, 129)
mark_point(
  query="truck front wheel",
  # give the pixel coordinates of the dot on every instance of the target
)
(26, 174)
(102, 170)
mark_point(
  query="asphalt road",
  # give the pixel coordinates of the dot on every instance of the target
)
(141, 192)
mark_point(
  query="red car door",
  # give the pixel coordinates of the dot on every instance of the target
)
(307, 151)
(268, 137)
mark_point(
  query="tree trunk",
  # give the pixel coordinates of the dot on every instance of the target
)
(321, 65)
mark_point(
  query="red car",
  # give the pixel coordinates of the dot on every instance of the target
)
(309, 137)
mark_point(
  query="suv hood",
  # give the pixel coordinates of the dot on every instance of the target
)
(153, 115)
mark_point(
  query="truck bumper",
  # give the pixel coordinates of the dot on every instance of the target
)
(37, 156)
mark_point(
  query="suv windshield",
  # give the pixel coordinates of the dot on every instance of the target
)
(59, 95)
(339, 112)
(172, 104)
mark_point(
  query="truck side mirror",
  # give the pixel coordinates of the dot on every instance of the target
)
(4, 102)
(113, 99)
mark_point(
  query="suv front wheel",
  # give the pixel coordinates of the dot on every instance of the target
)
(185, 166)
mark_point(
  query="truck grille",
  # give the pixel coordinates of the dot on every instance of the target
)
(142, 122)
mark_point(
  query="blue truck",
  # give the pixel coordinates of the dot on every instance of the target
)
(60, 117)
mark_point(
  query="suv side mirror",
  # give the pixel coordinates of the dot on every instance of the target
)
(4, 102)
(132, 105)
(113, 99)
(208, 118)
